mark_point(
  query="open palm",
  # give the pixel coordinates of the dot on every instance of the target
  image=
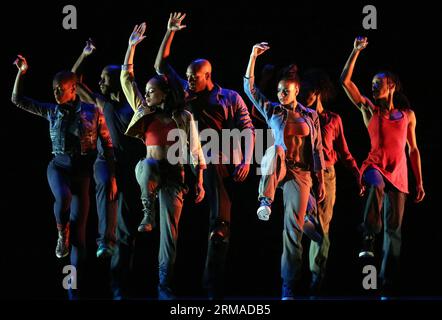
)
(138, 34)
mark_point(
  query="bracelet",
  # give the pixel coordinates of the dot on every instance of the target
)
(249, 77)
(127, 67)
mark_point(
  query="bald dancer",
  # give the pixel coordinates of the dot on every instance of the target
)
(214, 108)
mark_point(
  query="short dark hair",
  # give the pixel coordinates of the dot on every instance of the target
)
(65, 76)
(113, 70)
(400, 100)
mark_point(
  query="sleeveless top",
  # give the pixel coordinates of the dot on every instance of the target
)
(388, 139)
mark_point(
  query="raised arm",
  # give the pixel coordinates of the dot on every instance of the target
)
(22, 67)
(127, 78)
(264, 106)
(83, 91)
(87, 51)
(173, 25)
(361, 102)
(27, 104)
(415, 157)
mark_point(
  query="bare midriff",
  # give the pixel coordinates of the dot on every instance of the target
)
(295, 132)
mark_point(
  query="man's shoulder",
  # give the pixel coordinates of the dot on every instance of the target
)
(226, 92)
(231, 96)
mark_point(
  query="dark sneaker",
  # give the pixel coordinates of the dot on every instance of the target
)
(367, 250)
(287, 292)
(165, 293)
(221, 232)
(104, 251)
(62, 248)
(315, 285)
(146, 225)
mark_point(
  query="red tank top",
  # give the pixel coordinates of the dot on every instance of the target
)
(388, 139)
(156, 132)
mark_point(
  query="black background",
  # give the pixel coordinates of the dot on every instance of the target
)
(308, 33)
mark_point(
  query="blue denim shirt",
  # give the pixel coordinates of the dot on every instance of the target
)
(276, 117)
(85, 126)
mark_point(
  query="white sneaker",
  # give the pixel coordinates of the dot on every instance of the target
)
(263, 213)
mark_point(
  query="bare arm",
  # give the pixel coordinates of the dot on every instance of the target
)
(350, 88)
(85, 93)
(88, 96)
(415, 157)
(318, 159)
(87, 51)
(173, 25)
(342, 148)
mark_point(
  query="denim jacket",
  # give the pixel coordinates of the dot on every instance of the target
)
(276, 118)
(88, 125)
(183, 120)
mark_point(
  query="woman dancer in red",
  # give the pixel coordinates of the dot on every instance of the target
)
(391, 125)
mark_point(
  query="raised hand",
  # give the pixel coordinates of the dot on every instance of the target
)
(89, 48)
(138, 34)
(360, 43)
(260, 48)
(21, 64)
(175, 19)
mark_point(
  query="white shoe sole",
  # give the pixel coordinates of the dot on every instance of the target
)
(366, 254)
(263, 213)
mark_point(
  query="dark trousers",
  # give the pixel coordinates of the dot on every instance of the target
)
(318, 254)
(382, 195)
(216, 176)
(106, 202)
(69, 182)
(128, 217)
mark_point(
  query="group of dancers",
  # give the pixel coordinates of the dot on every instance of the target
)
(101, 136)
